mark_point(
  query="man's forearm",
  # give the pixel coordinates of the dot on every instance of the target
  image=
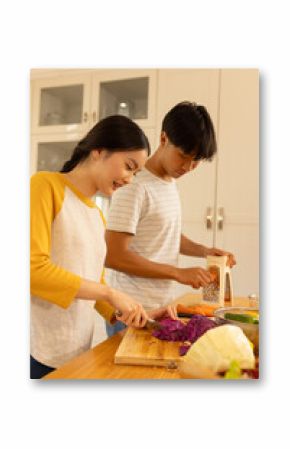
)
(131, 263)
(189, 248)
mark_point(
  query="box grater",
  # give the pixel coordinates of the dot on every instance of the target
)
(221, 288)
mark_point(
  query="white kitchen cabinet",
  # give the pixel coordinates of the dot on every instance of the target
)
(238, 174)
(65, 104)
(74, 103)
(49, 152)
(228, 186)
(130, 92)
(61, 104)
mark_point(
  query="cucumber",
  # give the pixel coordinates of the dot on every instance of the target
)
(244, 318)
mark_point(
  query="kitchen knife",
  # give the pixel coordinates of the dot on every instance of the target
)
(150, 323)
(153, 324)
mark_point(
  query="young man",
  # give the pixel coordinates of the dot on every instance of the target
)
(143, 235)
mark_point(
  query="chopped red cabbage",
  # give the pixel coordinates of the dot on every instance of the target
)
(175, 330)
(183, 349)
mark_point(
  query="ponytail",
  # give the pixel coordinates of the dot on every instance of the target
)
(79, 154)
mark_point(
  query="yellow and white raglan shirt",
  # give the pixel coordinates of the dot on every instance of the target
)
(67, 244)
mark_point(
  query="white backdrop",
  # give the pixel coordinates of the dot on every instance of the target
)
(148, 34)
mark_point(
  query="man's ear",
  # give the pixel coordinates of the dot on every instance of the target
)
(163, 138)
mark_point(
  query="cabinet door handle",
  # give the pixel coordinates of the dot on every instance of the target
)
(220, 218)
(94, 116)
(85, 116)
(209, 218)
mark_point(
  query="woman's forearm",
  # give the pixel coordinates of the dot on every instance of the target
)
(92, 290)
(115, 299)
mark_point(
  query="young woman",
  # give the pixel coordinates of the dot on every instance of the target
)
(68, 247)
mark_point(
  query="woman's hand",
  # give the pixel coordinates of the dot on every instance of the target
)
(164, 312)
(219, 252)
(136, 318)
(128, 310)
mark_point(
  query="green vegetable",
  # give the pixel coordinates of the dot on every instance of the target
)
(234, 371)
(243, 317)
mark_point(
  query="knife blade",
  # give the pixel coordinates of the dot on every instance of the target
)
(150, 323)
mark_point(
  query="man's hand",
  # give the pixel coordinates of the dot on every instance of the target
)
(196, 277)
(219, 252)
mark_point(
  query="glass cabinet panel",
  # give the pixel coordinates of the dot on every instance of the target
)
(61, 105)
(127, 97)
(52, 155)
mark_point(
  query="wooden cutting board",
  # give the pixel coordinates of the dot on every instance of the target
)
(139, 347)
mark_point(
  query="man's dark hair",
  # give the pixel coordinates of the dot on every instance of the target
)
(189, 127)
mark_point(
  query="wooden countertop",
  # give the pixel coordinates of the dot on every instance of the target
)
(98, 363)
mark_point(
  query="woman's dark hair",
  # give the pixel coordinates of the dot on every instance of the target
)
(189, 126)
(115, 133)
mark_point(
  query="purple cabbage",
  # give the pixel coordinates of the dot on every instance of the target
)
(171, 330)
(175, 330)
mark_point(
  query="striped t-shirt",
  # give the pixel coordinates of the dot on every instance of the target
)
(149, 208)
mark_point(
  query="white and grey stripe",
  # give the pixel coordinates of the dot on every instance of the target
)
(149, 208)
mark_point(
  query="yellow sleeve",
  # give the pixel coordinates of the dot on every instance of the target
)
(47, 280)
(104, 308)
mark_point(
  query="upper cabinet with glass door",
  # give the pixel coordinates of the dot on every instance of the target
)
(127, 92)
(50, 152)
(61, 104)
